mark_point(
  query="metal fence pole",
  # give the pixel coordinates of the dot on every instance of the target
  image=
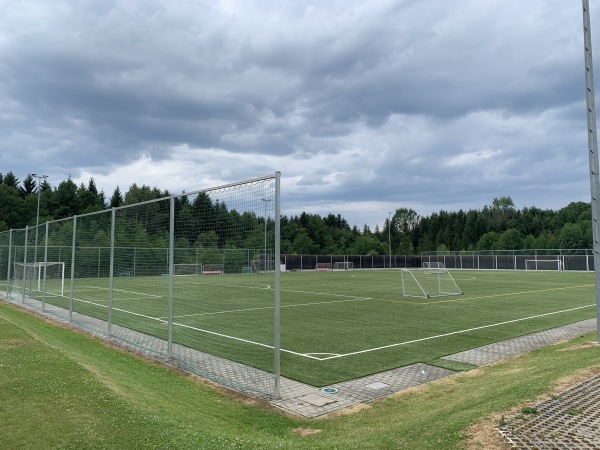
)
(592, 150)
(8, 274)
(45, 267)
(25, 264)
(111, 268)
(171, 263)
(74, 241)
(277, 343)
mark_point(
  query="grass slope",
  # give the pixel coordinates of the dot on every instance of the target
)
(62, 389)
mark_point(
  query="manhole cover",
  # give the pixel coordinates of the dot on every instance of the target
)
(330, 390)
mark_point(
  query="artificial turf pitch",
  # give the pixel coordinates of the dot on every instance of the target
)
(335, 326)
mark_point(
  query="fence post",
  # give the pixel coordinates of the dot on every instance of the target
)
(171, 262)
(111, 269)
(45, 268)
(277, 343)
(25, 264)
(74, 241)
(8, 275)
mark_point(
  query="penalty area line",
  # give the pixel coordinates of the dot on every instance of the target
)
(247, 341)
(414, 341)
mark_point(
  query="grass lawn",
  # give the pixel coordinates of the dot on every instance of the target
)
(62, 389)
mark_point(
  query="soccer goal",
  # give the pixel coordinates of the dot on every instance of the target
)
(262, 265)
(54, 273)
(323, 267)
(543, 264)
(428, 282)
(343, 266)
(213, 269)
(433, 266)
(182, 270)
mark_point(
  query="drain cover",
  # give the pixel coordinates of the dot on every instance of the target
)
(330, 390)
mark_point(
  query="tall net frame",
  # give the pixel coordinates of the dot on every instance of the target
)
(428, 282)
(119, 278)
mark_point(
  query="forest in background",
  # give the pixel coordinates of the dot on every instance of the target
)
(498, 226)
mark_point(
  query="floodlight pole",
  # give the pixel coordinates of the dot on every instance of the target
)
(266, 200)
(390, 237)
(37, 216)
(592, 151)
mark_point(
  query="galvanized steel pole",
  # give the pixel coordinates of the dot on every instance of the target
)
(593, 151)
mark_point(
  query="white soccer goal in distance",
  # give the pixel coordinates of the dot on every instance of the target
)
(427, 282)
(343, 265)
(181, 270)
(263, 265)
(543, 264)
(54, 273)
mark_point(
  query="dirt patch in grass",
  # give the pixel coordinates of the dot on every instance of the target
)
(580, 346)
(305, 431)
(566, 382)
(350, 410)
(12, 343)
(484, 435)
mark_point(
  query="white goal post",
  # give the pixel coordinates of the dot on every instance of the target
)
(428, 282)
(323, 267)
(181, 270)
(544, 264)
(433, 266)
(343, 265)
(52, 272)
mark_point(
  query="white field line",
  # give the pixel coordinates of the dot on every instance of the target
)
(120, 310)
(197, 329)
(261, 286)
(258, 308)
(247, 341)
(141, 294)
(453, 333)
(508, 294)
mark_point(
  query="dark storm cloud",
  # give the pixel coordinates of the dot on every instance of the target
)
(364, 107)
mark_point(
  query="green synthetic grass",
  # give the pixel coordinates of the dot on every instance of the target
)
(60, 389)
(337, 326)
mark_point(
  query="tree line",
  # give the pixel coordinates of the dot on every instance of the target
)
(498, 226)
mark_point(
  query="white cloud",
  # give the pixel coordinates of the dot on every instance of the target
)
(363, 107)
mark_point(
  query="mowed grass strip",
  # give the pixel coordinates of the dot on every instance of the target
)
(62, 389)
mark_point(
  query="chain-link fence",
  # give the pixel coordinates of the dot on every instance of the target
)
(169, 277)
(532, 259)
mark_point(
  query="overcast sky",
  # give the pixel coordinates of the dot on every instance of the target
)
(364, 107)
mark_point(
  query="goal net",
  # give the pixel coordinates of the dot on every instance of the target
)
(428, 282)
(262, 265)
(343, 266)
(213, 269)
(53, 272)
(323, 267)
(543, 264)
(433, 266)
(181, 270)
